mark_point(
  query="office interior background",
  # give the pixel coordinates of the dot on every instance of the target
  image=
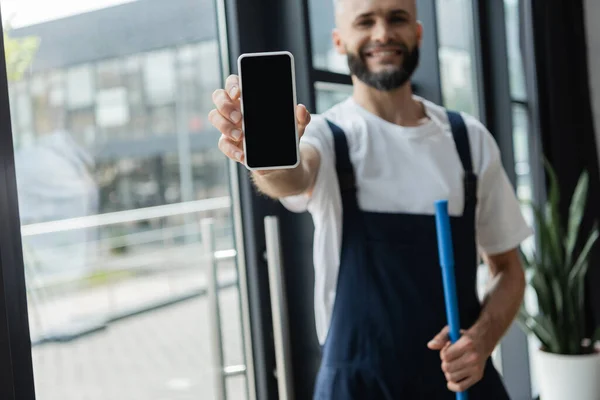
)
(133, 253)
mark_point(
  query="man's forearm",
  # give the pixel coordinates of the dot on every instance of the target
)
(289, 182)
(281, 183)
(500, 306)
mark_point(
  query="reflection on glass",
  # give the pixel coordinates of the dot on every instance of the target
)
(116, 167)
(515, 62)
(521, 152)
(322, 23)
(80, 87)
(456, 54)
(328, 95)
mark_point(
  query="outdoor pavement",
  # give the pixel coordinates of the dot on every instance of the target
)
(160, 355)
(163, 354)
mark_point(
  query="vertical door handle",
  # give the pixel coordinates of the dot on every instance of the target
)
(214, 310)
(279, 310)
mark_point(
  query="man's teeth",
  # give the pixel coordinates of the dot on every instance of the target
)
(384, 53)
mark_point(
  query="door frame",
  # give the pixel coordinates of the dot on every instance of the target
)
(16, 367)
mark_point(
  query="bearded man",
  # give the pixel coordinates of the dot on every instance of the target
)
(372, 168)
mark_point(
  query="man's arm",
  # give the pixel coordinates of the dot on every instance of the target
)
(502, 300)
(464, 361)
(289, 182)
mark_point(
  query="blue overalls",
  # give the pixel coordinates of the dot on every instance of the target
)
(390, 299)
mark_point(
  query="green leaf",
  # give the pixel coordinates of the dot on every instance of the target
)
(528, 262)
(558, 299)
(580, 267)
(553, 215)
(542, 289)
(576, 285)
(576, 211)
(546, 253)
(529, 324)
(579, 290)
(554, 195)
(574, 322)
(545, 329)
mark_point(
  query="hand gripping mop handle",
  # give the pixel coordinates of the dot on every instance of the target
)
(446, 252)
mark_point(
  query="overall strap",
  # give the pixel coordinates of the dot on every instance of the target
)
(461, 140)
(344, 168)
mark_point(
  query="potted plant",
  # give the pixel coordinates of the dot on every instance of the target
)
(568, 361)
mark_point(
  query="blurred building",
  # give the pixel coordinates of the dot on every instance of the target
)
(132, 98)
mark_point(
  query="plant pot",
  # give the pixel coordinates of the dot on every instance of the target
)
(562, 377)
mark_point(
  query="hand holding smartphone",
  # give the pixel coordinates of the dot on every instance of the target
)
(257, 114)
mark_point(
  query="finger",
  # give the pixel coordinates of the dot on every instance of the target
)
(226, 106)
(445, 349)
(230, 149)
(466, 361)
(438, 342)
(463, 345)
(458, 376)
(303, 117)
(464, 384)
(225, 126)
(232, 86)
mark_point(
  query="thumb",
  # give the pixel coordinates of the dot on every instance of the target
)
(303, 117)
(440, 340)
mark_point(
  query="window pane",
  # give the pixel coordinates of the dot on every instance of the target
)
(322, 22)
(48, 98)
(521, 152)
(207, 82)
(112, 107)
(457, 59)
(515, 61)
(116, 169)
(329, 94)
(159, 77)
(80, 87)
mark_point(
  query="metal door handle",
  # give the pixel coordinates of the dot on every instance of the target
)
(214, 310)
(279, 310)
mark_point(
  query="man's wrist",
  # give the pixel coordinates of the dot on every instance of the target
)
(485, 334)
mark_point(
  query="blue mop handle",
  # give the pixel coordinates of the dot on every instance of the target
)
(445, 248)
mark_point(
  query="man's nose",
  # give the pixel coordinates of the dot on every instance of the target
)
(380, 33)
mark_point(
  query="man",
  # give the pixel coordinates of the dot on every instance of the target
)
(371, 170)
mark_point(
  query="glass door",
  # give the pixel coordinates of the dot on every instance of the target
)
(118, 173)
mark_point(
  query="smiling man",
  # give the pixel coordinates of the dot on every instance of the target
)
(372, 168)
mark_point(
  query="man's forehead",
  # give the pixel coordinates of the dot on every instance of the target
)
(357, 7)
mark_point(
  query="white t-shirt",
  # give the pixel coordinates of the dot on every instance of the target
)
(402, 170)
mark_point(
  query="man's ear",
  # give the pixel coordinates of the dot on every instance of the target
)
(338, 42)
(419, 33)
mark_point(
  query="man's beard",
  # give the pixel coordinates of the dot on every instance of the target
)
(389, 79)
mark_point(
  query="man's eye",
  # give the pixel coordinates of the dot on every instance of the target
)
(365, 22)
(397, 20)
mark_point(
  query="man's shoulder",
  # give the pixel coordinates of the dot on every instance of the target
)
(441, 114)
(483, 145)
(340, 114)
(479, 135)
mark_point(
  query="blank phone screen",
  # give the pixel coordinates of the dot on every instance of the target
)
(269, 115)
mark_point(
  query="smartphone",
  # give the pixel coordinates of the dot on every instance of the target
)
(268, 105)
